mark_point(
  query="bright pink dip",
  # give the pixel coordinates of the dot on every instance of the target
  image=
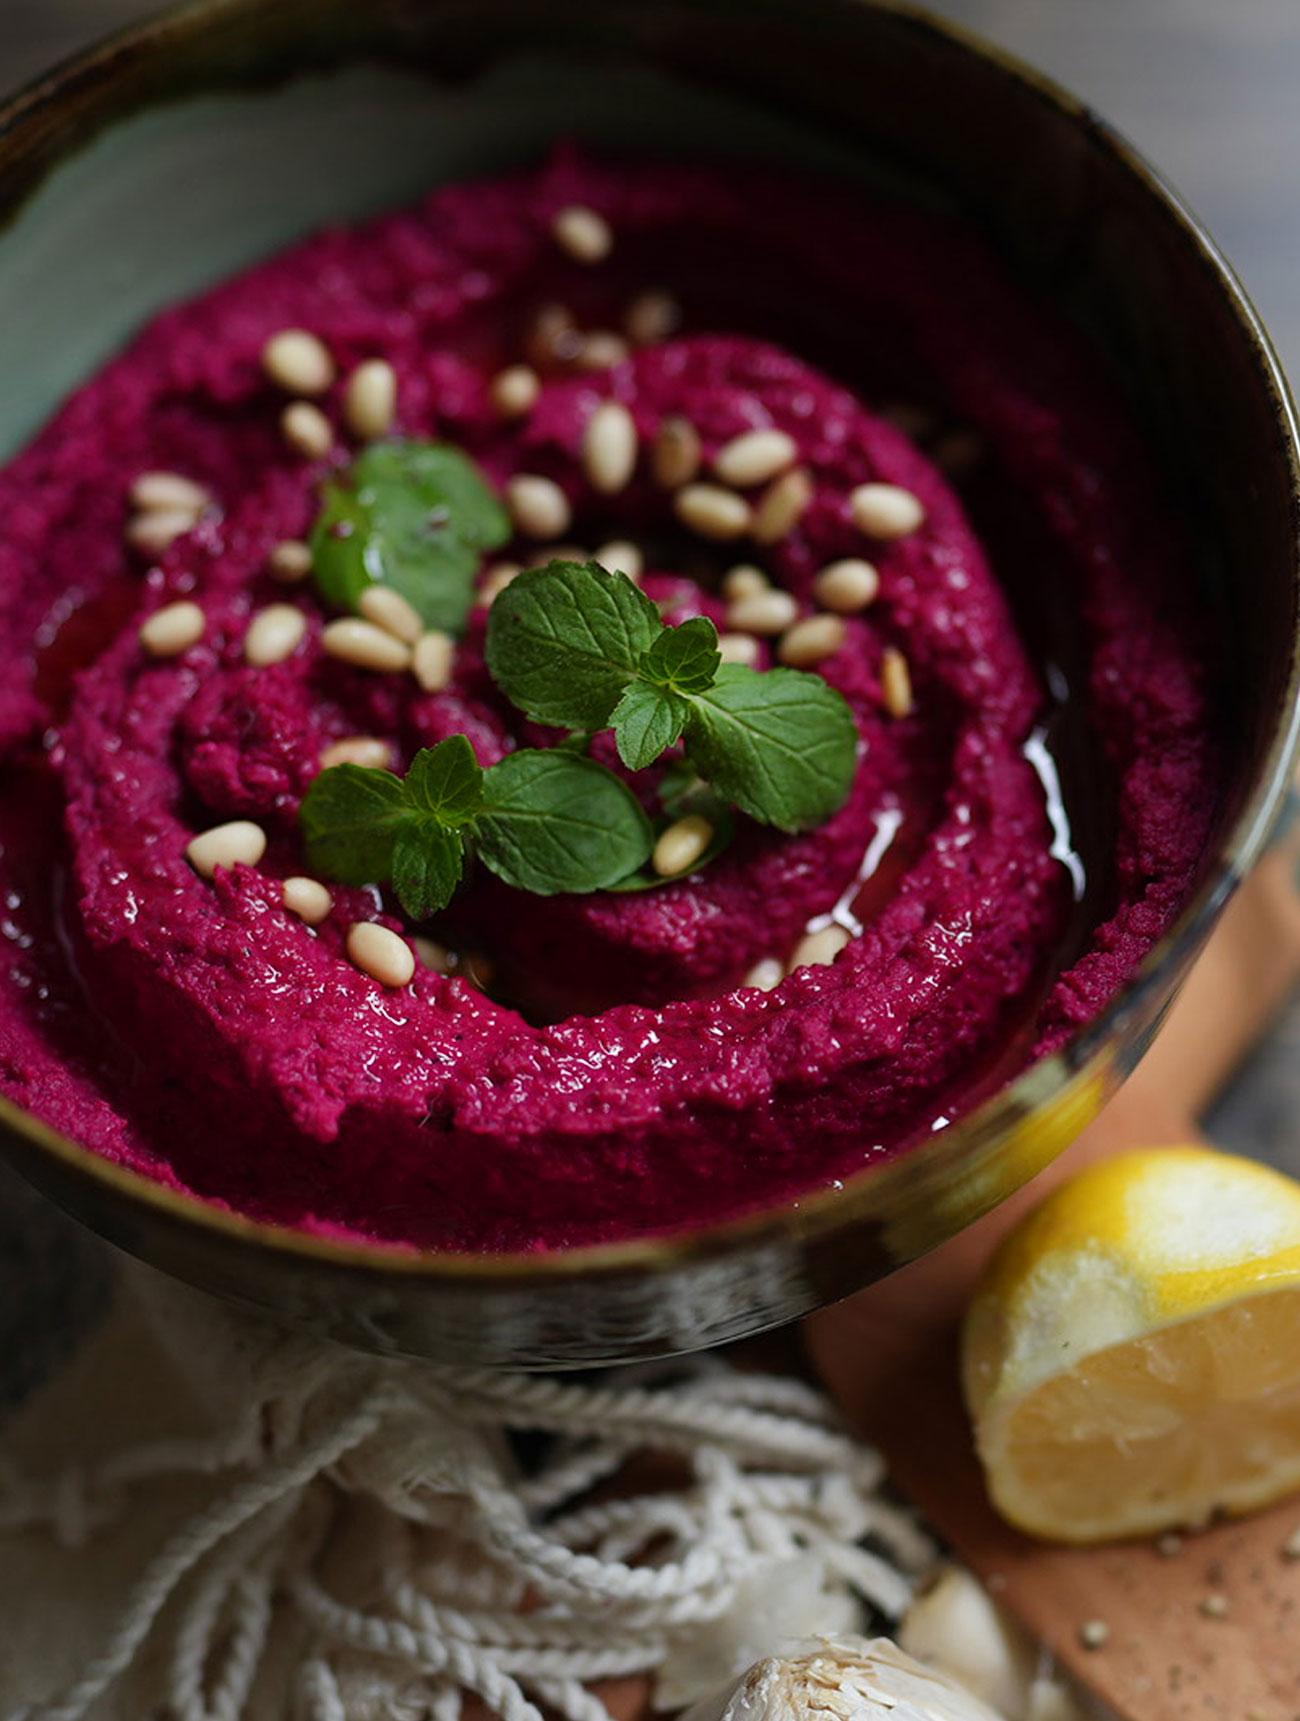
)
(198, 1032)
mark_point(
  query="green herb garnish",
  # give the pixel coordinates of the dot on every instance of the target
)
(545, 821)
(413, 515)
(572, 644)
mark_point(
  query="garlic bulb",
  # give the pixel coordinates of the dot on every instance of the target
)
(843, 1679)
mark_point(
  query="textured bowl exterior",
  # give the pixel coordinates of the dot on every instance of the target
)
(1080, 215)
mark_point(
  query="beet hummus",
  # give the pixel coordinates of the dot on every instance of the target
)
(1036, 771)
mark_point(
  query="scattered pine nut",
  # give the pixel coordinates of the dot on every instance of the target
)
(173, 629)
(432, 954)
(433, 659)
(744, 581)
(380, 953)
(885, 511)
(780, 506)
(515, 389)
(609, 447)
(239, 843)
(621, 556)
(289, 561)
(307, 430)
(388, 609)
(818, 949)
(681, 845)
(712, 511)
(495, 581)
(599, 350)
(675, 453)
(274, 634)
(768, 613)
(365, 645)
(538, 506)
(367, 751)
(764, 975)
(476, 969)
(298, 362)
(847, 586)
(740, 648)
(167, 491)
(1215, 1605)
(895, 682)
(157, 530)
(586, 236)
(1094, 1634)
(370, 399)
(308, 899)
(554, 338)
(812, 641)
(548, 553)
(754, 457)
(1169, 1546)
(652, 316)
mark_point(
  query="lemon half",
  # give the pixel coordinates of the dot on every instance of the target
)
(1131, 1358)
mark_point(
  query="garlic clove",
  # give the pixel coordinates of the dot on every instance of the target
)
(956, 1626)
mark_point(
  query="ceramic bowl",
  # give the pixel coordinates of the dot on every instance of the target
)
(183, 150)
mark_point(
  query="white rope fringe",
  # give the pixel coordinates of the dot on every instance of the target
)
(516, 1583)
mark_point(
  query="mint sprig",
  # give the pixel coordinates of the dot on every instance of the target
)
(413, 515)
(545, 821)
(574, 645)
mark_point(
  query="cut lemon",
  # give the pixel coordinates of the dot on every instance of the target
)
(1131, 1358)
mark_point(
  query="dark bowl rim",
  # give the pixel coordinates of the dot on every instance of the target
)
(820, 1211)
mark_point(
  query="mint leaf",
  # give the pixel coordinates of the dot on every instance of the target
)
(563, 642)
(553, 823)
(412, 515)
(781, 745)
(351, 818)
(427, 865)
(685, 658)
(446, 781)
(645, 721)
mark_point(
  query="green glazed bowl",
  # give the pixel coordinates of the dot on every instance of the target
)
(185, 149)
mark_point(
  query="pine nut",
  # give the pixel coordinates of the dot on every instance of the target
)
(651, 317)
(764, 975)
(885, 511)
(308, 899)
(364, 644)
(609, 447)
(770, 612)
(370, 400)
(817, 949)
(388, 609)
(553, 339)
(433, 661)
(432, 954)
(779, 507)
(586, 236)
(274, 634)
(240, 843)
(681, 845)
(847, 586)
(289, 561)
(712, 511)
(600, 350)
(514, 390)
(380, 953)
(740, 648)
(495, 581)
(675, 453)
(168, 490)
(173, 629)
(298, 362)
(621, 556)
(307, 430)
(895, 682)
(754, 457)
(744, 581)
(476, 969)
(812, 641)
(548, 553)
(538, 506)
(368, 751)
(1094, 1634)
(157, 530)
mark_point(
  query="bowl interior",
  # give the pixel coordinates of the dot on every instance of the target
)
(187, 152)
